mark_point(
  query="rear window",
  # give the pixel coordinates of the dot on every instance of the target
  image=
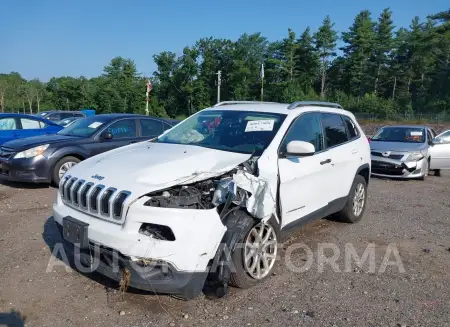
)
(335, 131)
(352, 130)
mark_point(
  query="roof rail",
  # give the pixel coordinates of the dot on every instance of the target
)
(315, 104)
(224, 103)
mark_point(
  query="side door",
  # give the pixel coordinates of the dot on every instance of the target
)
(123, 132)
(343, 151)
(8, 129)
(149, 128)
(31, 127)
(440, 152)
(304, 181)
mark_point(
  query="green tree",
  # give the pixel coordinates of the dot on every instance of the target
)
(325, 42)
(360, 40)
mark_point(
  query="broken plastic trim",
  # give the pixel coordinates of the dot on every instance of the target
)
(238, 188)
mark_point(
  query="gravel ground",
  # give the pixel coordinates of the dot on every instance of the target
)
(410, 216)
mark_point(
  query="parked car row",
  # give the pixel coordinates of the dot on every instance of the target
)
(172, 198)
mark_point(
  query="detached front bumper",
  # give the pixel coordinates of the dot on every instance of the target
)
(28, 170)
(178, 267)
(385, 167)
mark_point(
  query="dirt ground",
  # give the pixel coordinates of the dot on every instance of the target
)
(410, 216)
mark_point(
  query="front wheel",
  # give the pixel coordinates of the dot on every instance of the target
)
(62, 166)
(254, 257)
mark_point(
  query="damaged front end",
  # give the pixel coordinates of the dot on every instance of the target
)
(240, 187)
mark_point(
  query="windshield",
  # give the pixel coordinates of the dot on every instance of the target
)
(400, 134)
(227, 130)
(84, 127)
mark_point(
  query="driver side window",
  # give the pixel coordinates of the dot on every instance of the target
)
(307, 128)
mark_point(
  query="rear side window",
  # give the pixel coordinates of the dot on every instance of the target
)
(353, 132)
(166, 126)
(30, 123)
(305, 128)
(150, 127)
(335, 132)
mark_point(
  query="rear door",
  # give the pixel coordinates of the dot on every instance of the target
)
(31, 127)
(304, 181)
(343, 149)
(440, 152)
(8, 129)
(124, 132)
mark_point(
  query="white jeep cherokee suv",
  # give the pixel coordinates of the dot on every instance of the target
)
(206, 202)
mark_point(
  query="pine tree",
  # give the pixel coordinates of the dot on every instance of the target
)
(325, 42)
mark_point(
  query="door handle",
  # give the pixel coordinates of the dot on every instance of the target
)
(354, 151)
(325, 162)
(133, 142)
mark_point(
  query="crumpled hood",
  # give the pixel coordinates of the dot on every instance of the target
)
(397, 146)
(147, 166)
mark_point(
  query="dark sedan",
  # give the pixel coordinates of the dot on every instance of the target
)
(44, 159)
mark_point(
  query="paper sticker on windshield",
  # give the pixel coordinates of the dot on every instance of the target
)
(259, 125)
(416, 133)
(95, 124)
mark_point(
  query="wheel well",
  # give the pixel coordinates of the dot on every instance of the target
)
(364, 173)
(76, 155)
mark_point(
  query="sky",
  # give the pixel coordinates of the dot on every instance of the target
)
(46, 38)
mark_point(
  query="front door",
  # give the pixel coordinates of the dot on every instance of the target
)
(123, 132)
(440, 152)
(304, 181)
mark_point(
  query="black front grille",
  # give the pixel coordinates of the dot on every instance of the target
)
(6, 153)
(83, 195)
(385, 168)
(93, 197)
(104, 202)
(392, 156)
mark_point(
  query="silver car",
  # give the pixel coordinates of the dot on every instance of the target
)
(409, 152)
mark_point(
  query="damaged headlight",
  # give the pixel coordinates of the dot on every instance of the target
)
(415, 156)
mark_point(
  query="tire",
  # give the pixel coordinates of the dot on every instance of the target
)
(427, 170)
(437, 172)
(65, 161)
(349, 214)
(241, 276)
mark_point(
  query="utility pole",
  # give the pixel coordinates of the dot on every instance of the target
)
(219, 82)
(262, 82)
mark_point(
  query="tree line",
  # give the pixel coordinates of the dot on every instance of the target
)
(373, 67)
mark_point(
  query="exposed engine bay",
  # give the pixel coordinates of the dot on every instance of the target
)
(239, 187)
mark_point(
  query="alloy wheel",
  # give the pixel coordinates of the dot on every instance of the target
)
(65, 167)
(260, 250)
(358, 199)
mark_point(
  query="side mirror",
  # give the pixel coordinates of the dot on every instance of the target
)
(106, 135)
(300, 149)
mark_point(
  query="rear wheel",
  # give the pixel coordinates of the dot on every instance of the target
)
(62, 166)
(437, 172)
(356, 202)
